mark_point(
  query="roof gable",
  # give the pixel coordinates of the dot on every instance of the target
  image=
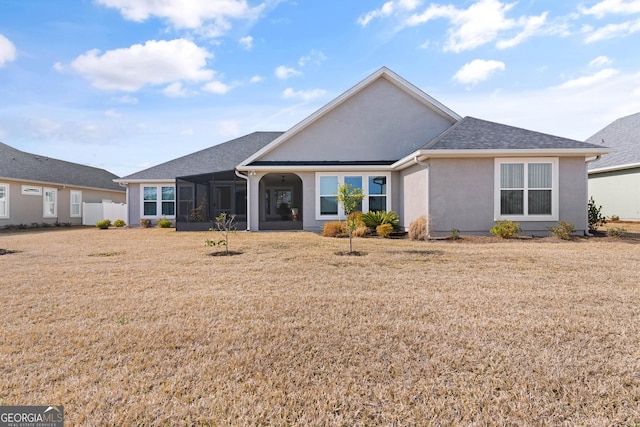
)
(328, 124)
(221, 157)
(476, 134)
(623, 136)
(19, 165)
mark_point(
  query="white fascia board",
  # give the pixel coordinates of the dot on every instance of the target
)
(139, 181)
(382, 72)
(314, 168)
(614, 168)
(561, 152)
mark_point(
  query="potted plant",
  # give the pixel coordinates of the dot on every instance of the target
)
(294, 213)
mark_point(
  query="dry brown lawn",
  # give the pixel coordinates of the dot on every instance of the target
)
(144, 327)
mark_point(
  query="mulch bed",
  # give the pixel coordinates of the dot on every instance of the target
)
(230, 253)
(6, 252)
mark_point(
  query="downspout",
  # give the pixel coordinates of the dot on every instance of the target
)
(246, 178)
(595, 159)
(427, 166)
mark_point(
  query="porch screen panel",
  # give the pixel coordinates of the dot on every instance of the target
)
(328, 195)
(540, 185)
(512, 189)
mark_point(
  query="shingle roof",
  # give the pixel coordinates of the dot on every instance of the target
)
(222, 157)
(475, 134)
(16, 164)
(623, 136)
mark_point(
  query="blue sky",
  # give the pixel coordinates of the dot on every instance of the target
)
(127, 84)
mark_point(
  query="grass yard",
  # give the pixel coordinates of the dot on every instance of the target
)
(145, 327)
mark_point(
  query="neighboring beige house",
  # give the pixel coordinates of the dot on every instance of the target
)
(37, 189)
(406, 151)
(614, 180)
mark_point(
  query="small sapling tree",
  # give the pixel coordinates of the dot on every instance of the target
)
(350, 197)
(226, 224)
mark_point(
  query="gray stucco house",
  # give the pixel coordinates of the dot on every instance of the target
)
(614, 180)
(405, 150)
(39, 189)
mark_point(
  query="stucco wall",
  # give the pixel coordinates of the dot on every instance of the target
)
(462, 196)
(133, 204)
(412, 200)
(28, 209)
(618, 192)
(381, 122)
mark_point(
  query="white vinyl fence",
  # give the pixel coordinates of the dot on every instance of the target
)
(94, 212)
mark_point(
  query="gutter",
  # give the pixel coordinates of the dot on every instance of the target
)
(246, 178)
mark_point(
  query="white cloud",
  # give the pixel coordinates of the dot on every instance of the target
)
(478, 70)
(175, 90)
(246, 42)
(592, 80)
(126, 99)
(216, 87)
(187, 132)
(482, 22)
(283, 72)
(228, 128)
(606, 7)
(308, 95)
(573, 112)
(611, 31)
(59, 67)
(600, 62)
(155, 62)
(45, 127)
(385, 10)
(211, 16)
(112, 113)
(315, 56)
(531, 26)
(7, 51)
(256, 79)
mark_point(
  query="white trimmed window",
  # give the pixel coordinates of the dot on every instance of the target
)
(4, 200)
(526, 189)
(50, 203)
(374, 186)
(158, 201)
(76, 204)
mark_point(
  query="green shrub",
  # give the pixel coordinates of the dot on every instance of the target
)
(384, 230)
(506, 229)
(614, 218)
(145, 223)
(418, 228)
(563, 230)
(455, 234)
(596, 219)
(616, 232)
(164, 223)
(104, 224)
(333, 229)
(119, 223)
(373, 219)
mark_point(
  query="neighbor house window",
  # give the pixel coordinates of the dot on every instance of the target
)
(527, 189)
(158, 201)
(50, 203)
(373, 186)
(4, 200)
(76, 203)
